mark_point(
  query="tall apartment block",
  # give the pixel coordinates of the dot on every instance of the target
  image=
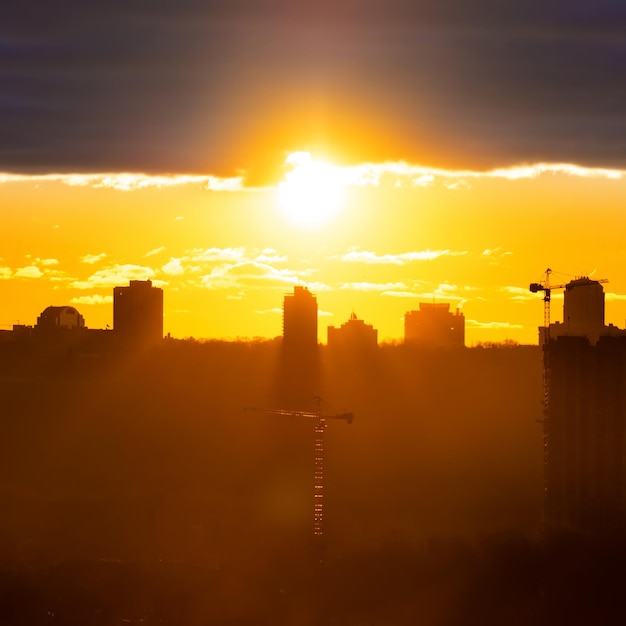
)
(586, 418)
(138, 313)
(300, 321)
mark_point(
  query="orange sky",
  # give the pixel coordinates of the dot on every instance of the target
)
(225, 254)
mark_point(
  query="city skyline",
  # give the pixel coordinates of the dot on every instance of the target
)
(454, 155)
(227, 257)
(224, 224)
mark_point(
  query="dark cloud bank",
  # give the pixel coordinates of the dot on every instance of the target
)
(217, 86)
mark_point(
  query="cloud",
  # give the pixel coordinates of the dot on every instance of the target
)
(5, 273)
(248, 274)
(31, 271)
(614, 296)
(217, 260)
(155, 251)
(46, 262)
(520, 294)
(206, 255)
(273, 311)
(402, 294)
(362, 256)
(491, 325)
(95, 299)
(402, 174)
(129, 181)
(114, 276)
(537, 82)
(365, 286)
(269, 255)
(173, 267)
(91, 259)
(495, 252)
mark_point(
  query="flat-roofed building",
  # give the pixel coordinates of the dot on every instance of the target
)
(435, 326)
(300, 320)
(138, 313)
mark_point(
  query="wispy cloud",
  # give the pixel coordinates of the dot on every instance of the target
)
(173, 267)
(215, 261)
(248, 274)
(520, 294)
(5, 273)
(402, 294)
(363, 256)
(614, 296)
(95, 299)
(125, 181)
(46, 262)
(393, 173)
(155, 251)
(367, 287)
(30, 271)
(401, 174)
(115, 275)
(91, 259)
(495, 252)
(443, 291)
(491, 325)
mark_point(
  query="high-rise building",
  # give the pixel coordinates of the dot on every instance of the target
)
(354, 334)
(586, 426)
(583, 312)
(138, 313)
(435, 326)
(586, 417)
(300, 320)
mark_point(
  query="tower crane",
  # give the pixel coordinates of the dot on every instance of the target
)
(319, 420)
(547, 288)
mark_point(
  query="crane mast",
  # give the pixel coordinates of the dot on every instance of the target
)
(547, 289)
(319, 418)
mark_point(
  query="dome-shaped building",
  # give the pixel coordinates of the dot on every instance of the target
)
(60, 317)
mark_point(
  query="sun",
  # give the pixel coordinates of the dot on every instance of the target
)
(312, 192)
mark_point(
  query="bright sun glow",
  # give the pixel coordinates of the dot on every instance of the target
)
(312, 192)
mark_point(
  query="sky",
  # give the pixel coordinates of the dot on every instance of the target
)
(381, 153)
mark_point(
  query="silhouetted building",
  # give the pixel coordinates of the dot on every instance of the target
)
(299, 371)
(583, 313)
(354, 334)
(435, 326)
(300, 320)
(56, 318)
(586, 446)
(138, 312)
(586, 363)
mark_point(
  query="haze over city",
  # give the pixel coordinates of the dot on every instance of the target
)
(312, 313)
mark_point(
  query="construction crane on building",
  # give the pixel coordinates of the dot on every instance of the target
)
(319, 418)
(547, 288)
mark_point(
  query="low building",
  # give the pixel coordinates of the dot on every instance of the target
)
(60, 318)
(434, 326)
(354, 334)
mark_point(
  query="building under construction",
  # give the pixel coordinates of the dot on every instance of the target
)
(585, 416)
(587, 413)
